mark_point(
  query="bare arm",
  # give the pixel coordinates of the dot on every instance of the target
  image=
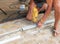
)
(49, 2)
(31, 5)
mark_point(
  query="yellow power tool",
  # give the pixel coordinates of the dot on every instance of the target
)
(35, 14)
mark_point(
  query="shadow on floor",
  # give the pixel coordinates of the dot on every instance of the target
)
(13, 15)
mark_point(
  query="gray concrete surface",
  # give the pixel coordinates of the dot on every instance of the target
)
(37, 35)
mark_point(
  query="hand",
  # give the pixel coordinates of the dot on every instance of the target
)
(39, 24)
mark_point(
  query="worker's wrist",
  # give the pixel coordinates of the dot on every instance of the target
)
(41, 21)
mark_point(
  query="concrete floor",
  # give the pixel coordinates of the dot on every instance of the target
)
(36, 35)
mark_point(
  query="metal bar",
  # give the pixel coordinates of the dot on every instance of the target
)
(10, 39)
(1, 35)
(26, 28)
(35, 25)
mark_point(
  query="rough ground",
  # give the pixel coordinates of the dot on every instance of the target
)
(36, 35)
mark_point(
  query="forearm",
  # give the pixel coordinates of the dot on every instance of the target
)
(45, 16)
(40, 9)
(42, 20)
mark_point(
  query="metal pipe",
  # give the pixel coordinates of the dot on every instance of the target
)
(1, 35)
(10, 39)
(26, 28)
(35, 25)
